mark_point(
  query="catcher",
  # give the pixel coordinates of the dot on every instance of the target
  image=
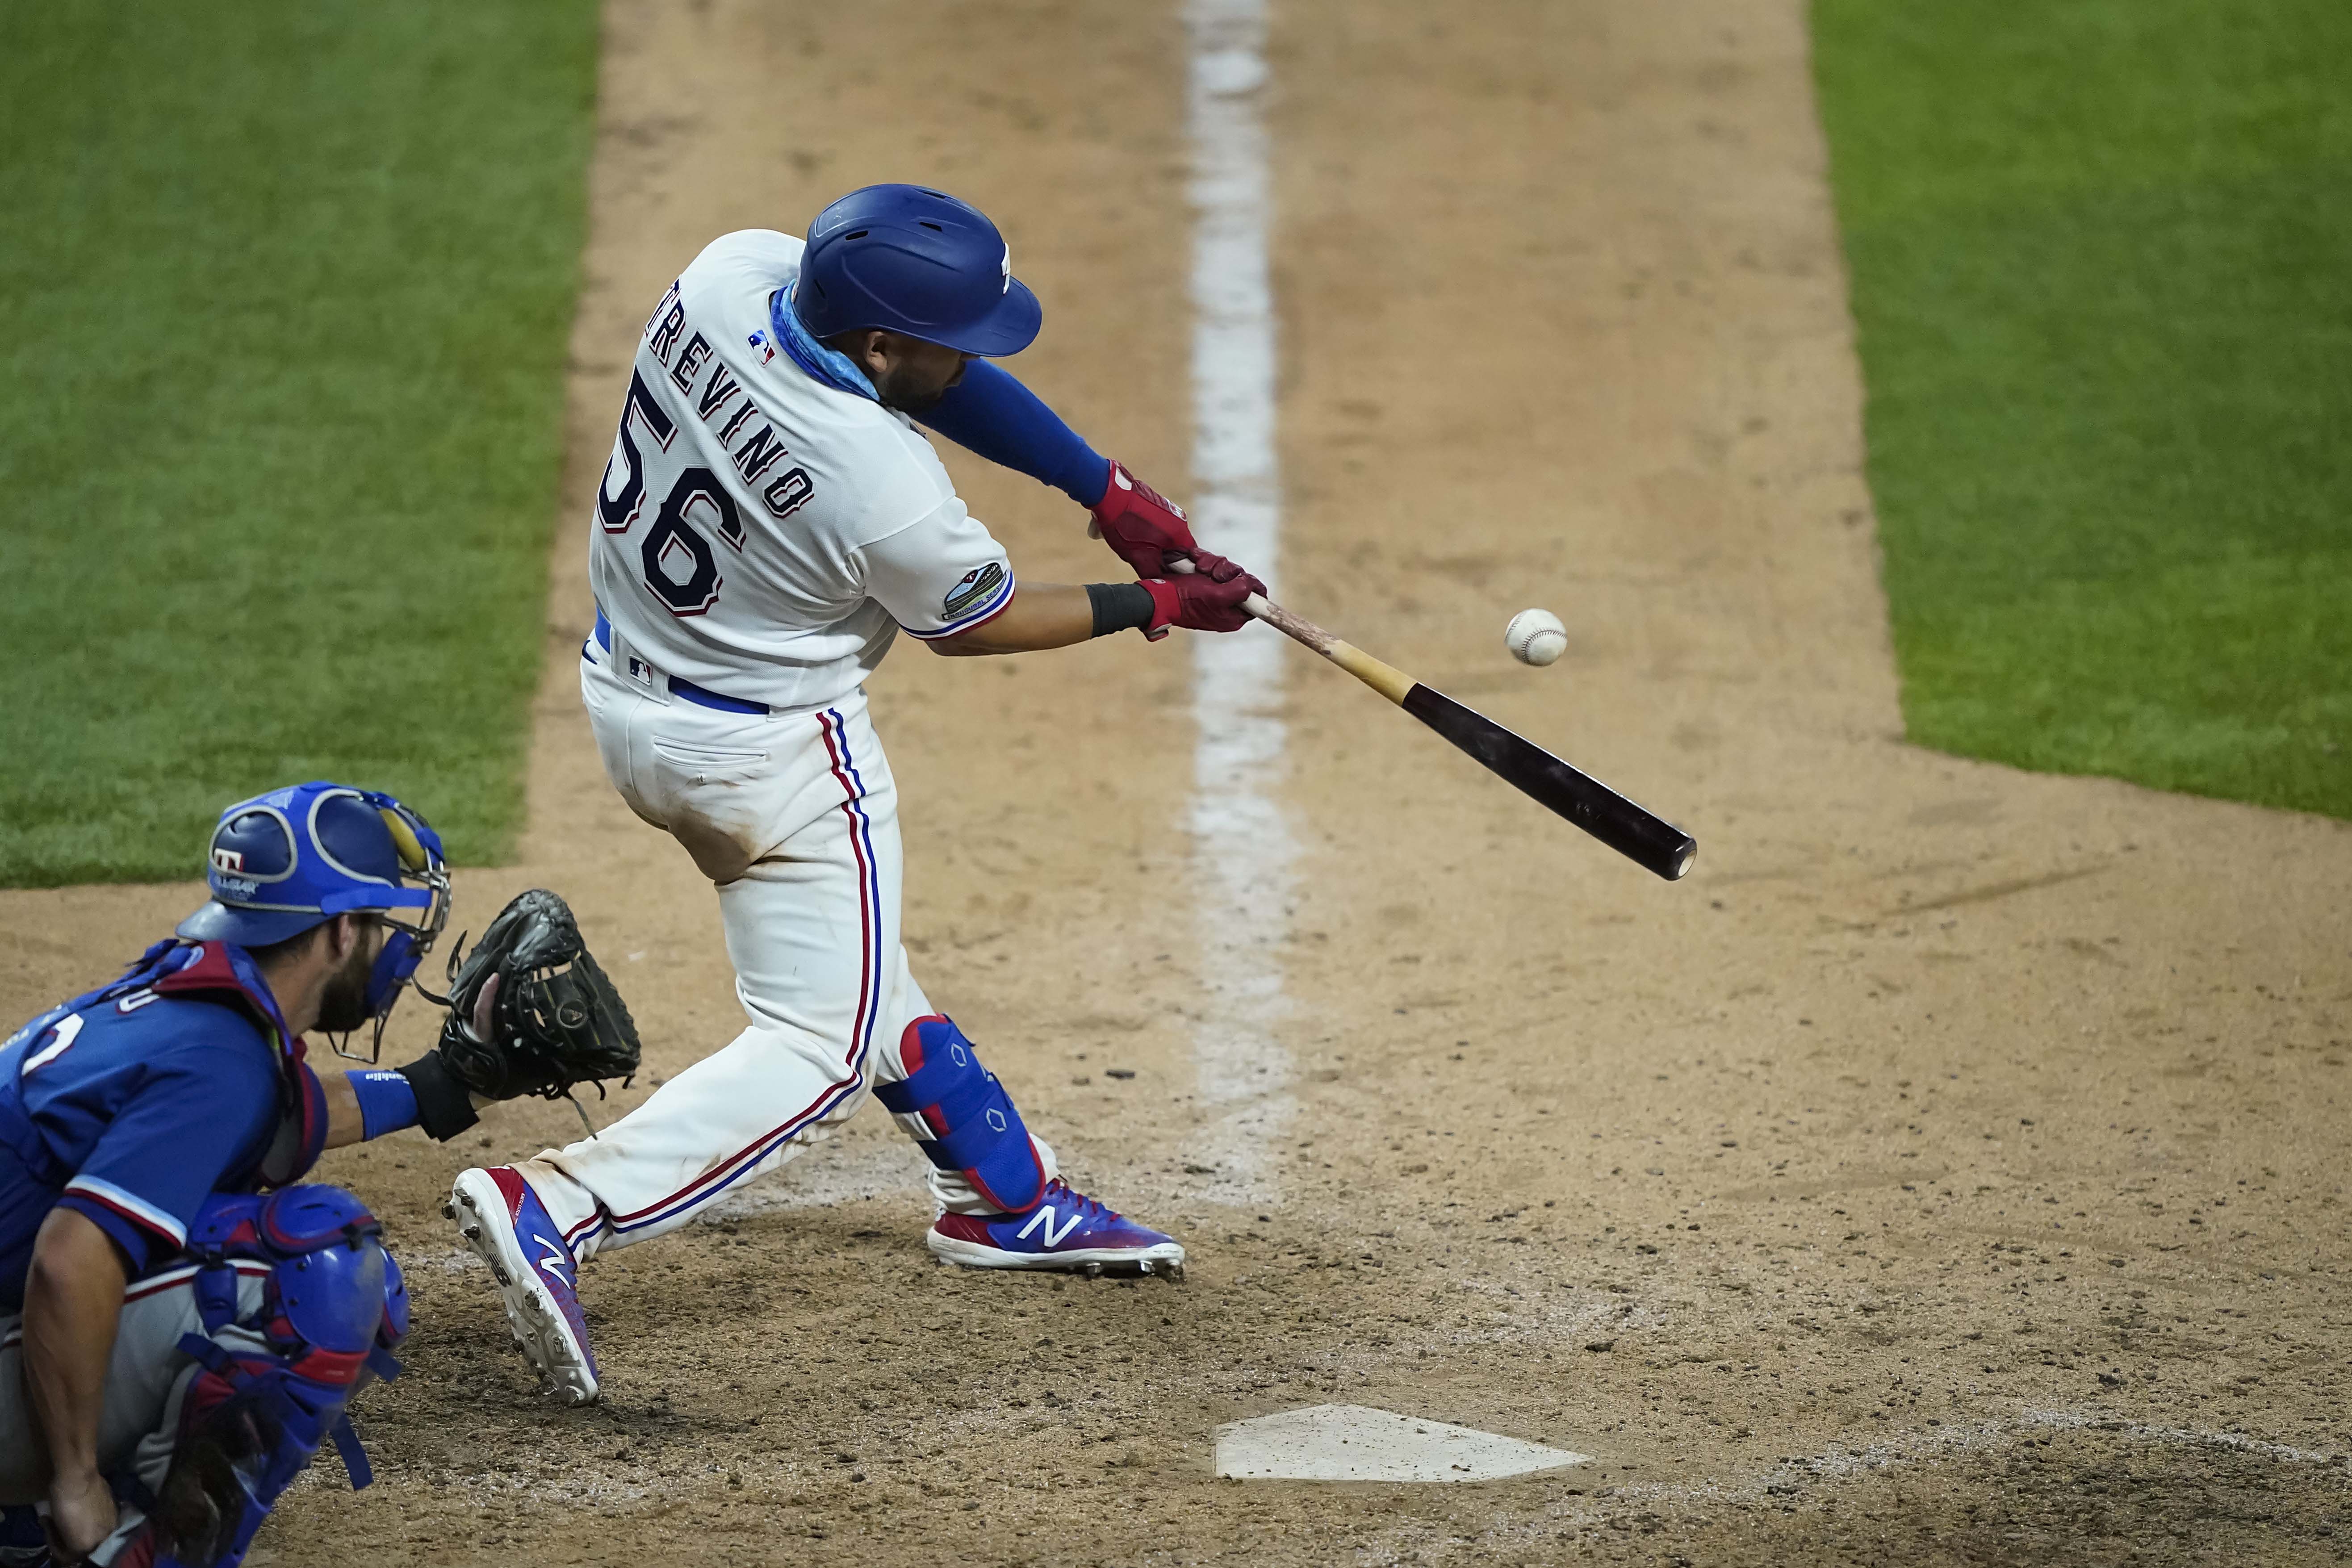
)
(181, 1322)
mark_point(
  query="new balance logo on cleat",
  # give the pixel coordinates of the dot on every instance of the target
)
(1064, 1230)
(1043, 1217)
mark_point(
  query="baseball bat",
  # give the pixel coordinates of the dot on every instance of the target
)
(1649, 841)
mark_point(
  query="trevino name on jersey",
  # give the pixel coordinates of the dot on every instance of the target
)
(759, 533)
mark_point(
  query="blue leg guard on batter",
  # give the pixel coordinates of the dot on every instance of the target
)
(974, 1128)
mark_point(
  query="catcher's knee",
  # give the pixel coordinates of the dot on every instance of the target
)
(961, 1116)
(270, 1381)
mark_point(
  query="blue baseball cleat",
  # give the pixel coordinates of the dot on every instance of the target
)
(1065, 1230)
(506, 1226)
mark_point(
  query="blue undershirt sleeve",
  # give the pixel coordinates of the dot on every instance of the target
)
(993, 414)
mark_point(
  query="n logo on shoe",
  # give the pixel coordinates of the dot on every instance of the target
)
(1044, 1216)
(551, 1262)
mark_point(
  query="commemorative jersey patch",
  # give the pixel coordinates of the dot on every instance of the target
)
(974, 588)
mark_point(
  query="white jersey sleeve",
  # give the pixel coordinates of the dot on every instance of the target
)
(942, 574)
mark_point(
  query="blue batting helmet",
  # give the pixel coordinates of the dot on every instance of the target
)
(916, 262)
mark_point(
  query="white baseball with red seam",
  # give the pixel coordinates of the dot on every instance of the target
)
(1535, 636)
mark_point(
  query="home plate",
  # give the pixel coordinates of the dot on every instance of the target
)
(1357, 1443)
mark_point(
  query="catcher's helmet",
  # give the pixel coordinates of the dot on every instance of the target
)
(287, 860)
(916, 262)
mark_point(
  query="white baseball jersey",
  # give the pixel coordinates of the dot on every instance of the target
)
(760, 533)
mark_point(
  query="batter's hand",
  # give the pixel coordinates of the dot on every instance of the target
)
(1207, 599)
(1142, 527)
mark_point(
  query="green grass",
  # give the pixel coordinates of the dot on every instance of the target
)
(284, 294)
(2101, 263)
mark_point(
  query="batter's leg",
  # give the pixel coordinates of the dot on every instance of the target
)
(1003, 1203)
(794, 816)
(811, 927)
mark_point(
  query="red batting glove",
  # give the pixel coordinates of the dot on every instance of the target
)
(1142, 527)
(1209, 599)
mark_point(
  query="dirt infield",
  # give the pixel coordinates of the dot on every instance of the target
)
(1948, 1170)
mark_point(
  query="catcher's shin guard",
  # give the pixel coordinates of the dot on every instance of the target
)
(968, 1124)
(267, 1388)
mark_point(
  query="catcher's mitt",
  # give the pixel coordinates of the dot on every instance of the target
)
(531, 1012)
(206, 1492)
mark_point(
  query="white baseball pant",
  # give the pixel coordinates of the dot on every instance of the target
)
(146, 1373)
(794, 816)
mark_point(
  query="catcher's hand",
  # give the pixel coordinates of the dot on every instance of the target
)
(531, 1012)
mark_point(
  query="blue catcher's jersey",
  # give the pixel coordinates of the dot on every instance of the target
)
(133, 1103)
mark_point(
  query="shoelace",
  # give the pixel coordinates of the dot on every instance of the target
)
(1089, 1207)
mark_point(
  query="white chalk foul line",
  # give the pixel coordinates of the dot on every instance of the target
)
(1843, 1462)
(2179, 1436)
(1243, 854)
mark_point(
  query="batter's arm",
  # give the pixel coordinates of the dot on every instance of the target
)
(1041, 616)
(73, 1301)
(1057, 614)
(991, 412)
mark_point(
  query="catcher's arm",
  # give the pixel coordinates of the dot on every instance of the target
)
(73, 1301)
(441, 1100)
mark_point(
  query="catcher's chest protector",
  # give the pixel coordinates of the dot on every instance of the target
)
(178, 973)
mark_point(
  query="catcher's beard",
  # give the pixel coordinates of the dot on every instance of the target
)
(342, 1005)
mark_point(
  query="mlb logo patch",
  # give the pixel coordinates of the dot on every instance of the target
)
(767, 350)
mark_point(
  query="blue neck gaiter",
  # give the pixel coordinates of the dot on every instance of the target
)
(830, 366)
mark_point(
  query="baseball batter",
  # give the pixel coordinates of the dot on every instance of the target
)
(769, 520)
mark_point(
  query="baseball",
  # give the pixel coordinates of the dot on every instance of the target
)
(1535, 636)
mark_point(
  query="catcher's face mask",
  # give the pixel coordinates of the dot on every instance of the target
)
(405, 942)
